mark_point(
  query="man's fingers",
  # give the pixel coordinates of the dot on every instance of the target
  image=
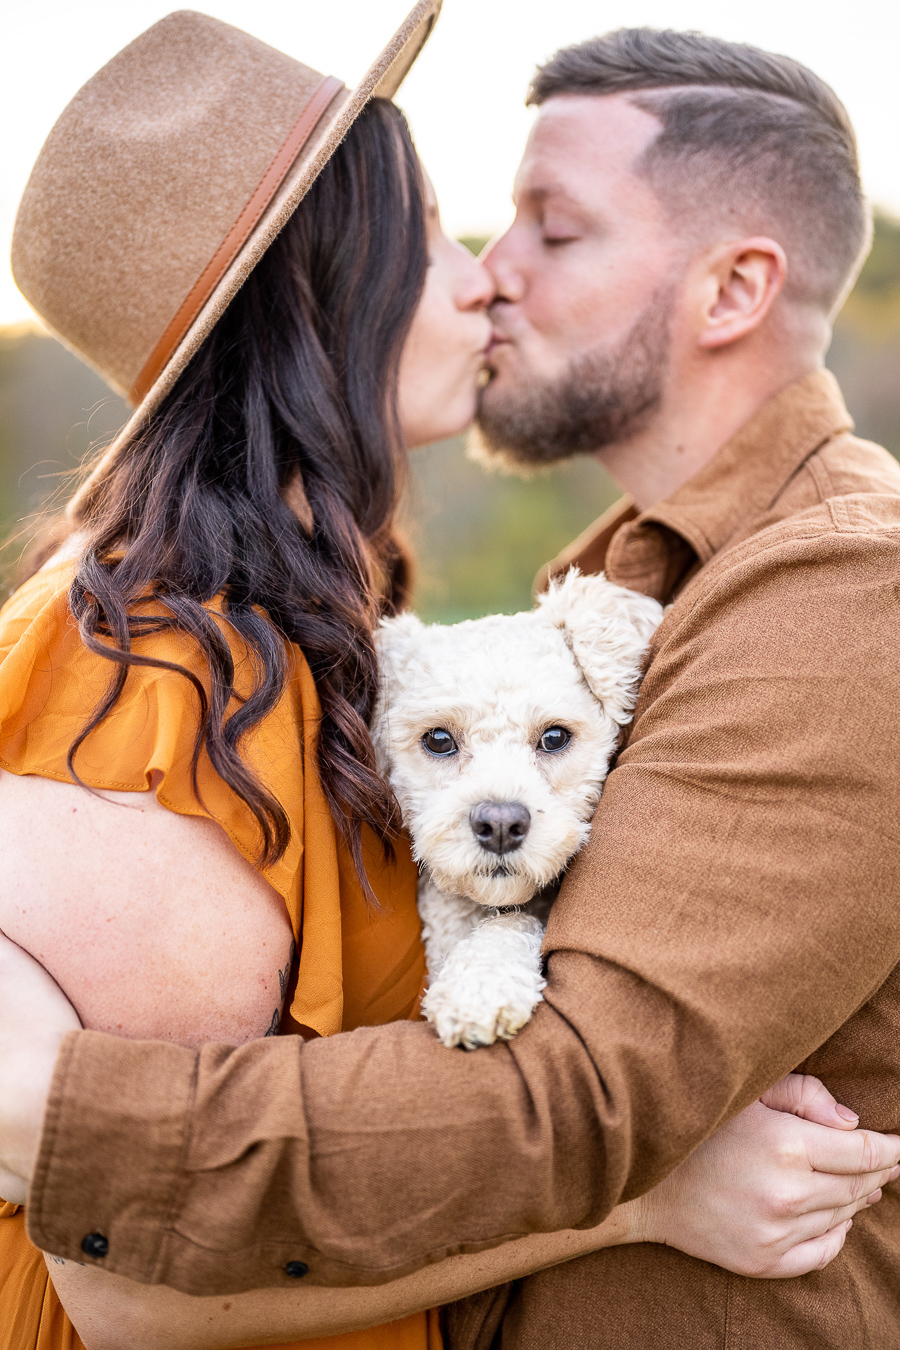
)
(812, 1255)
(831, 1192)
(802, 1095)
(844, 1152)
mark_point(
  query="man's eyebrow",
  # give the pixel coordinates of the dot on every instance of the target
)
(545, 192)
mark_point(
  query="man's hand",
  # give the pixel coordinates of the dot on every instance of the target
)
(34, 1017)
(773, 1192)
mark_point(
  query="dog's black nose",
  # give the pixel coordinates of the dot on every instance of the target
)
(500, 827)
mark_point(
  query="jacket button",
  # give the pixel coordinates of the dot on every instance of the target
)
(95, 1244)
(296, 1269)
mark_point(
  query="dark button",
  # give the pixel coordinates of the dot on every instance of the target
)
(296, 1269)
(95, 1244)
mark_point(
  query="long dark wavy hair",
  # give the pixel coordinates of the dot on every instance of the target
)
(291, 399)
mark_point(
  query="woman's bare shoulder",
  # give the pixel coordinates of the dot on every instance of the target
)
(152, 922)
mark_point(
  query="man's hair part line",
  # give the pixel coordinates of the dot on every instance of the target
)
(759, 140)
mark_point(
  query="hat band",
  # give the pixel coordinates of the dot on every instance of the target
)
(237, 236)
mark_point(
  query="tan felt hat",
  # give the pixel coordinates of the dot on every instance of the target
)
(164, 182)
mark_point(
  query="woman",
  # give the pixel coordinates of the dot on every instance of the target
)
(203, 638)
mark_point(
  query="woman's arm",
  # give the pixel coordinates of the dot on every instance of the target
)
(727, 1203)
(151, 922)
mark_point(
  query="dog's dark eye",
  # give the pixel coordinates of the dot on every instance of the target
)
(554, 738)
(438, 741)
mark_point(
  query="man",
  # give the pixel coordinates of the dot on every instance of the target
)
(689, 216)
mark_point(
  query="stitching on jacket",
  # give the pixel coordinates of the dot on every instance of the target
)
(820, 474)
(276, 1250)
(48, 1150)
(729, 560)
(726, 1320)
(715, 573)
(168, 1226)
(840, 516)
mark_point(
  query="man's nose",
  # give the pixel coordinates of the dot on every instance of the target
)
(500, 827)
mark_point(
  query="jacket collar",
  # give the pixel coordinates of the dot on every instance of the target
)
(656, 550)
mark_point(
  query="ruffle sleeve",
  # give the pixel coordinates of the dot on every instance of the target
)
(49, 685)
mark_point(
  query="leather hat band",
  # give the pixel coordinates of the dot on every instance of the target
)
(237, 236)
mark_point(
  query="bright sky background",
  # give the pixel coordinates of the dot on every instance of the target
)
(464, 97)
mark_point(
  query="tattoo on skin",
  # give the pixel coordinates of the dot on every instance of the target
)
(283, 978)
(284, 975)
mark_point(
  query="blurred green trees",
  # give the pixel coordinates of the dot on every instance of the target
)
(479, 537)
(53, 408)
(865, 352)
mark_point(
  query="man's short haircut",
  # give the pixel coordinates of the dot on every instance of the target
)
(749, 140)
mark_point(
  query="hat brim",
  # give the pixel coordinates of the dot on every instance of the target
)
(382, 80)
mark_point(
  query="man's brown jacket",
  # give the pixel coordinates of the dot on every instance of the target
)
(735, 915)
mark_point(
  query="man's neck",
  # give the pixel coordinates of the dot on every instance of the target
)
(689, 431)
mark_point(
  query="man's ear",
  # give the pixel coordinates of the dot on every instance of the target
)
(607, 629)
(740, 283)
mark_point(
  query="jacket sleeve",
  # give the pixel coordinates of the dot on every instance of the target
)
(736, 904)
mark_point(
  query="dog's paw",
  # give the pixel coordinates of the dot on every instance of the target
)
(490, 983)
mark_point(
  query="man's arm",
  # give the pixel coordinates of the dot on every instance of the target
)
(730, 1215)
(735, 906)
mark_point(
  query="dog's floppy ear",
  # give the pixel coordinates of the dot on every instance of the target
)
(396, 641)
(607, 629)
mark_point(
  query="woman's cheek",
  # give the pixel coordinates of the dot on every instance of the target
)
(459, 384)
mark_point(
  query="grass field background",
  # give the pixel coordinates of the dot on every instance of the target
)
(479, 537)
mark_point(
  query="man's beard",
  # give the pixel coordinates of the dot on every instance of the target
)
(603, 397)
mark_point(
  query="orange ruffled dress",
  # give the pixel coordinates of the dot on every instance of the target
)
(355, 969)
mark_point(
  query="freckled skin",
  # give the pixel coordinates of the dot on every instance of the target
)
(152, 923)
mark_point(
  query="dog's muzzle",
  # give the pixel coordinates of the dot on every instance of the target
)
(500, 827)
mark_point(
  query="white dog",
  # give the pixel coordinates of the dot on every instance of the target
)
(496, 735)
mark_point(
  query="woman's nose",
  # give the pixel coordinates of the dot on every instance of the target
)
(501, 261)
(476, 287)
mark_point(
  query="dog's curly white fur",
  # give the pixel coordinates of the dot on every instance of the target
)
(493, 687)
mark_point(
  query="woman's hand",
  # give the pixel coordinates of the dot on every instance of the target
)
(34, 1017)
(773, 1192)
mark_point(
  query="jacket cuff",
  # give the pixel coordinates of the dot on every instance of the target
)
(81, 1202)
(178, 1167)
